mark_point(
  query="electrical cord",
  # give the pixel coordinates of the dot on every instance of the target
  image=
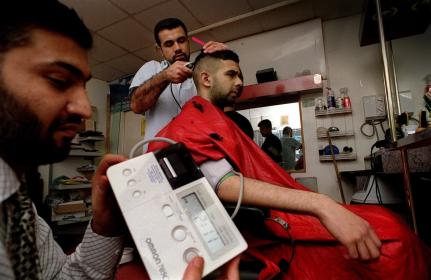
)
(286, 227)
(378, 194)
(172, 142)
(414, 119)
(143, 142)
(173, 96)
(369, 191)
(374, 175)
(373, 123)
(241, 194)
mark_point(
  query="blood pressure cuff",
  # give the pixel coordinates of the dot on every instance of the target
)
(216, 171)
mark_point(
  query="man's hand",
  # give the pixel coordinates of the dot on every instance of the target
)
(107, 218)
(178, 72)
(230, 271)
(212, 46)
(351, 230)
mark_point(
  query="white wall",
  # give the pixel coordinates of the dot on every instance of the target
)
(131, 131)
(359, 69)
(289, 50)
(98, 94)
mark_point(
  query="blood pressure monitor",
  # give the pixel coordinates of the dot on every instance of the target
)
(173, 213)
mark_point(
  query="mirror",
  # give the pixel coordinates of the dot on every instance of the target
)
(281, 116)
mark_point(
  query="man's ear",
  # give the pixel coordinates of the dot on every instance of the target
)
(206, 79)
(158, 50)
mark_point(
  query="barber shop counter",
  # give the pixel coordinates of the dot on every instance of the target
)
(411, 157)
(404, 169)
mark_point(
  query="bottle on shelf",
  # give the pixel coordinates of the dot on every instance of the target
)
(345, 97)
(339, 102)
(320, 106)
(330, 98)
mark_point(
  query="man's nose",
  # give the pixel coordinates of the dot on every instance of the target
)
(239, 82)
(79, 104)
(177, 46)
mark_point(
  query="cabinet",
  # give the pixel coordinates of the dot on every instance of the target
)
(69, 193)
(336, 124)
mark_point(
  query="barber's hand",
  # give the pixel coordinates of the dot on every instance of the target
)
(107, 218)
(194, 270)
(178, 72)
(212, 46)
(351, 230)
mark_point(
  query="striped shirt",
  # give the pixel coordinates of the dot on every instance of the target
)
(95, 258)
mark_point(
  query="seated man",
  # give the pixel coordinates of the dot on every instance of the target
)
(331, 240)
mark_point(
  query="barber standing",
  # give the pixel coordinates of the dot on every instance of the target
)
(159, 89)
(272, 145)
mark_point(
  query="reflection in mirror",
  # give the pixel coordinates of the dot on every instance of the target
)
(282, 117)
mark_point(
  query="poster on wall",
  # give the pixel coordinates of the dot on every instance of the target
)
(119, 94)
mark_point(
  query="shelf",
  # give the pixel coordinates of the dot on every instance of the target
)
(336, 134)
(85, 170)
(70, 187)
(339, 157)
(91, 138)
(415, 140)
(335, 111)
(79, 153)
(366, 172)
(74, 221)
(277, 92)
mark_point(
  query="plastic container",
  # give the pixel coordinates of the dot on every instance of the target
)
(331, 99)
(339, 103)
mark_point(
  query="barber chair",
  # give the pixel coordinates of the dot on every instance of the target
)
(250, 221)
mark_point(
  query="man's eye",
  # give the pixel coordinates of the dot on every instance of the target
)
(181, 40)
(59, 83)
(168, 44)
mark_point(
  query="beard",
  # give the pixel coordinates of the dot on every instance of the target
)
(23, 142)
(221, 101)
(221, 98)
(179, 56)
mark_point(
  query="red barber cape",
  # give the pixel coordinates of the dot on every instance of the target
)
(210, 135)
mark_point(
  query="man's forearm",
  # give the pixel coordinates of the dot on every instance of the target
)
(145, 96)
(352, 231)
(262, 194)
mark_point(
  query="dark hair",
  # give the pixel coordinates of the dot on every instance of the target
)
(167, 23)
(19, 17)
(265, 123)
(223, 55)
(287, 131)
